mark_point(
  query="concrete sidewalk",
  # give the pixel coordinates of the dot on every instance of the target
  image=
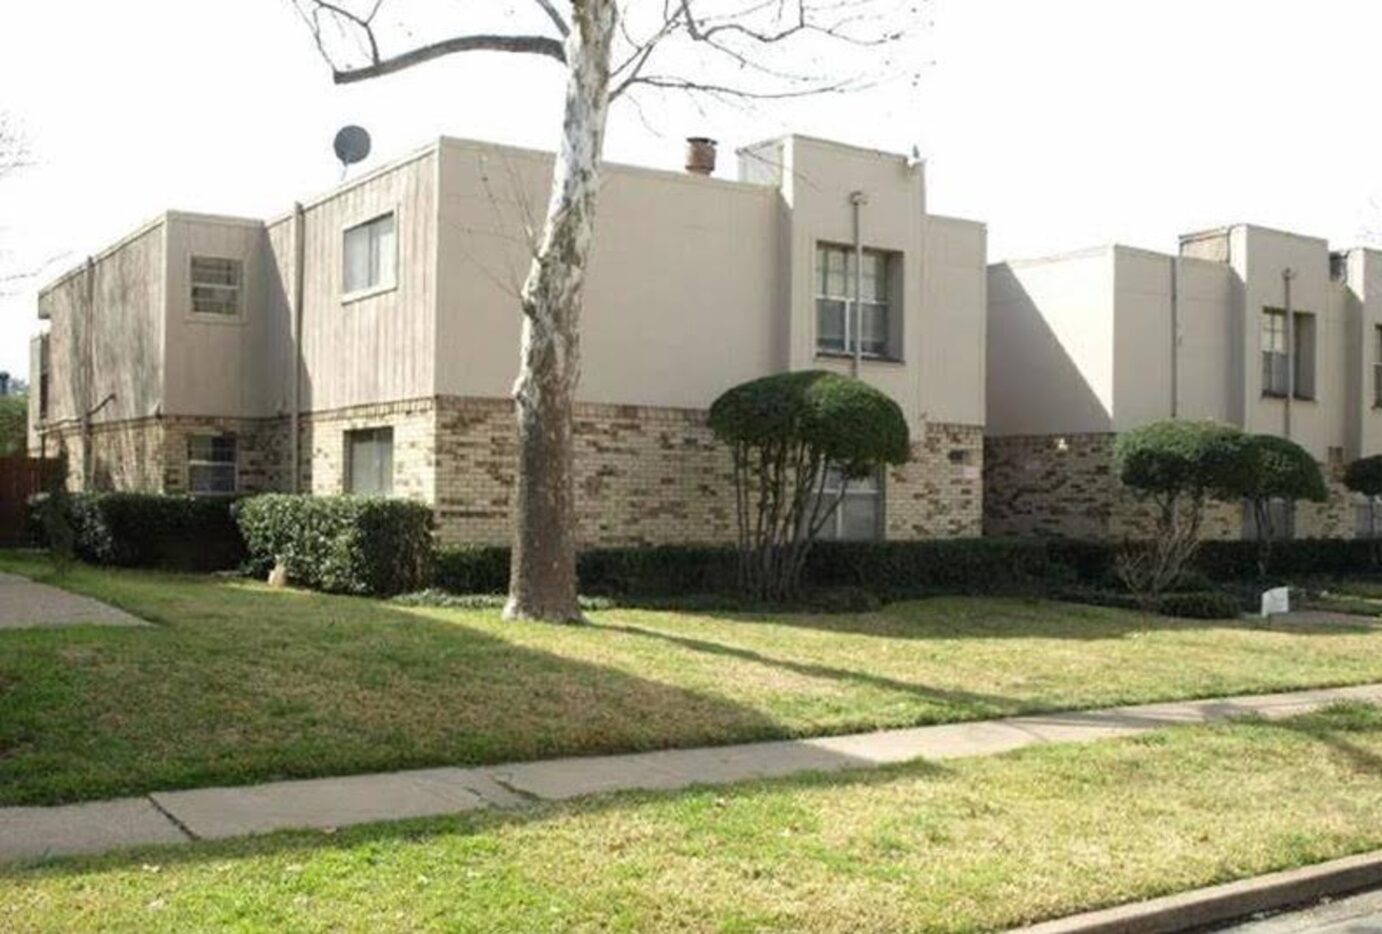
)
(220, 813)
(27, 605)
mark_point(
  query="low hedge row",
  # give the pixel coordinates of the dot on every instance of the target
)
(340, 544)
(149, 530)
(902, 569)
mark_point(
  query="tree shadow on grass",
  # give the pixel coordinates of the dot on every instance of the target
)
(265, 685)
(980, 705)
(1331, 727)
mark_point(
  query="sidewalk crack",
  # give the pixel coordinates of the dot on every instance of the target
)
(172, 818)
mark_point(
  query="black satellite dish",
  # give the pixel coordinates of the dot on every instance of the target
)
(351, 145)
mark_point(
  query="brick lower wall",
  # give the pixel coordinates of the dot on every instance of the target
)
(1065, 486)
(939, 493)
(644, 475)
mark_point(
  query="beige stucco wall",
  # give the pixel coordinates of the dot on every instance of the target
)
(214, 363)
(679, 295)
(1362, 300)
(954, 321)
(1050, 345)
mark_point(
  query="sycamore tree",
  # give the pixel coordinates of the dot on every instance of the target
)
(718, 51)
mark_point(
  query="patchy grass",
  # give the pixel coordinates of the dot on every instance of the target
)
(240, 683)
(981, 844)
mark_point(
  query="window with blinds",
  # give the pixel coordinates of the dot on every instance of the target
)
(216, 285)
(835, 305)
(370, 252)
(369, 462)
(211, 464)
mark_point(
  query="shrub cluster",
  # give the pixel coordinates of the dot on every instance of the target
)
(658, 570)
(150, 530)
(340, 544)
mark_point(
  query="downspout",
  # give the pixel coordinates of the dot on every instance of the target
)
(1287, 275)
(294, 416)
(87, 374)
(1175, 337)
(855, 323)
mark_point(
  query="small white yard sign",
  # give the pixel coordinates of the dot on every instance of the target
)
(1276, 600)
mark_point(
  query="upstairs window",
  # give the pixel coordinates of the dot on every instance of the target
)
(370, 255)
(211, 464)
(1274, 359)
(216, 285)
(1377, 366)
(859, 517)
(835, 311)
(369, 462)
(1303, 356)
(1288, 367)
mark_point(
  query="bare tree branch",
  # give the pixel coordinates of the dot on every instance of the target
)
(557, 19)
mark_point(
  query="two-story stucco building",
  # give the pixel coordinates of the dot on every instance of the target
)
(1262, 329)
(366, 340)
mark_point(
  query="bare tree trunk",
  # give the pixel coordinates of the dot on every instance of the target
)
(542, 575)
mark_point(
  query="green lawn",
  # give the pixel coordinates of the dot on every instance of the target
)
(978, 844)
(241, 683)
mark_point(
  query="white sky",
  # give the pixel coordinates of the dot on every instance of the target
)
(1061, 123)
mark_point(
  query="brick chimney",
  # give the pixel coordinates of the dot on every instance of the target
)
(700, 155)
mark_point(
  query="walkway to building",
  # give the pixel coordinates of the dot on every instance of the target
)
(326, 803)
(27, 605)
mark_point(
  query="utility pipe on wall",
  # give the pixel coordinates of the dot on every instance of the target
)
(1287, 275)
(854, 324)
(299, 264)
(1175, 337)
(88, 370)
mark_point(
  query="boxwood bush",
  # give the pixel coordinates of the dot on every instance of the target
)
(152, 530)
(340, 544)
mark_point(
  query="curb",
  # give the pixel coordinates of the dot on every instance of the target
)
(1229, 902)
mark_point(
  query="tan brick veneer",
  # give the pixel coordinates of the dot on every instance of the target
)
(644, 475)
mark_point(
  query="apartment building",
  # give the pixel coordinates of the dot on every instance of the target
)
(366, 340)
(1263, 329)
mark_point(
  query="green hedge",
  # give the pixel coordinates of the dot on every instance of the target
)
(658, 570)
(152, 530)
(901, 569)
(340, 544)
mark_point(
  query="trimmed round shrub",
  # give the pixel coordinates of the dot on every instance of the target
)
(1283, 469)
(852, 424)
(1184, 457)
(1365, 475)
(340, 544)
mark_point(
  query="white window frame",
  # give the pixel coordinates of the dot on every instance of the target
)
(237, 290)
(1276, 363)
(844, 297)
(386, 275)
(871, 488)
(211, 464)
(357, 434)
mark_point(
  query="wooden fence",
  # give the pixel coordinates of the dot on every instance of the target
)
(20, 478)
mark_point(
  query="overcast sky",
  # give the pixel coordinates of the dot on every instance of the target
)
(1060, 123)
